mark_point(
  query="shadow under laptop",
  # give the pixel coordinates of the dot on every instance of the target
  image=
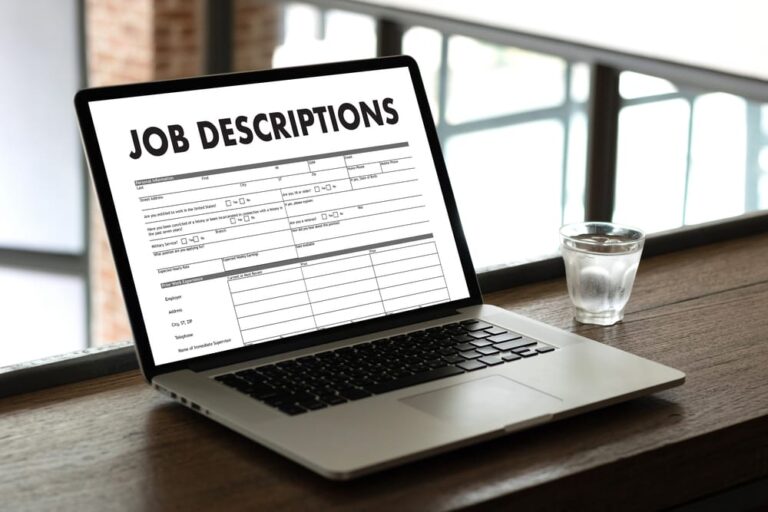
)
(186, 449)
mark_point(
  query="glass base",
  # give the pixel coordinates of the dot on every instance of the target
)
(601, 318)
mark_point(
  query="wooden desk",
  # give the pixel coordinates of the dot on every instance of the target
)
(113, 443)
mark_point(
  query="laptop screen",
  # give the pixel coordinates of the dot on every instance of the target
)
(254, 213)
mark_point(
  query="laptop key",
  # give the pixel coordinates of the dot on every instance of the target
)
(507, 336)
(312, 406)
(472, 365)
(470, 354)
(481, 343)
(477, 326)
(495, 330)
(510, 356)
(353, 393)
(491, 360)
(487, 351)
(263, 392)
(291, 409)
(228, 380)
(242, 386)
(453, 359)
(279, 400)
(333, 400)
(515, 344)
(412, 380)
(544, 350)
(255, 379)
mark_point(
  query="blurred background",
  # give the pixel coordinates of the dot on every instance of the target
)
(513, 124)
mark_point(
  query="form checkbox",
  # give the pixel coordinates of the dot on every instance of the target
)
(195, 239)
(183, 241)
(242, 200)
(317, 189)
(232, 220)
(246, 218)
(325, 216)
(229, 203)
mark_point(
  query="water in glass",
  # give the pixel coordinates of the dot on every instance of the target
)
(600, 270)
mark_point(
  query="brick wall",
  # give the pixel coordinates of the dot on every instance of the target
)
(141, 40)
(255, 35)
(119, 40)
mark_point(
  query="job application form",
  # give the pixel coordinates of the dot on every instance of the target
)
(257, 212)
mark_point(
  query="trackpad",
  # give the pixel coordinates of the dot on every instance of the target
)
(492, 400)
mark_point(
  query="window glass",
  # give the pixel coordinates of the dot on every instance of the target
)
(636, 85)
(696, 158)
(60, 299)
(580, 82)
(757, 157)
(576, 168)
(350, 35)
(651, 164)
(311, 35)
(41, 175)
(423, 44)
(507, 183)
(764, 119)
(717, 176)
(486, 80)
(762, 187)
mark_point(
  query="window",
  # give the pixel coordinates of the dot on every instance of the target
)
(42, 190)
(701, 156)
(513, 129)
(311, 35)
(512, 124)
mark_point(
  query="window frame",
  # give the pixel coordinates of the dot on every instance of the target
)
(604, 105)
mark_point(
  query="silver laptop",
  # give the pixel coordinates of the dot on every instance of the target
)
(294, 268)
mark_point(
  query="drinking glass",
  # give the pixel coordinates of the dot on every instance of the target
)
(601, 260)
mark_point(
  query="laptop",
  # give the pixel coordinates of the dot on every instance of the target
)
(294, 268)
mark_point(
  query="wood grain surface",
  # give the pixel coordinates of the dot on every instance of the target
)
(115, 444)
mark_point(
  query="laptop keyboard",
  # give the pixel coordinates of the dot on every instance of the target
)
(338, 376)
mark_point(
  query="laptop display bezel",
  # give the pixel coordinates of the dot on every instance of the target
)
(249, 352)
